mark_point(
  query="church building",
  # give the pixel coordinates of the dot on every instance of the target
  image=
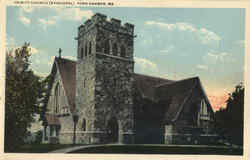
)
(98, 98)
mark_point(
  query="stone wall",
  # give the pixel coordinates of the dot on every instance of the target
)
(63, 106)
(66, 130)
(85, 85)
(114, 94)
(104, 79)
(187, 136)
(191, 113)
(63, 114)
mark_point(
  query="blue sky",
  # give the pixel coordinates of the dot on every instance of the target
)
(173, 43)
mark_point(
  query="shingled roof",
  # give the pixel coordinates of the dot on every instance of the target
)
(67, 70)
(146, 84)
(169, 90)
(152, 88)
(52, 119)
(176, 92)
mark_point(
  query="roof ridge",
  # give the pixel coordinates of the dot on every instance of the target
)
(174, 82)
(57, 58)
(65, 82)
(185, 100)
(153, 77)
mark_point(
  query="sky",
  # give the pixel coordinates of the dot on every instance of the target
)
(172, 43)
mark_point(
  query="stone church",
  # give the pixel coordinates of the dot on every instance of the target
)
(99, 99)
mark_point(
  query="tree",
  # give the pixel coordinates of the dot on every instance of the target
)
(24, 96)
(38, 137)
(230, 120)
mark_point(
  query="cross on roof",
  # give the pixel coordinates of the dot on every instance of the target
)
(60, 51)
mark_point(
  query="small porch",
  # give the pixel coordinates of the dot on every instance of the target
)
(51, 129)
(185, 134)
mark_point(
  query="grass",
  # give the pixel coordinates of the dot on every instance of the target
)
(161, 149)
(41, 148)
(134, 149)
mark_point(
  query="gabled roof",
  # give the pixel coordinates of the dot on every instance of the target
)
(52, 119)
(177, 93)
(146, 84)
(67, 71)
(169, 90)
(153, 88)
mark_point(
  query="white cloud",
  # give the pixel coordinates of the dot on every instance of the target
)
(33, 50)
(22, 17)
(47, 22)
(204, 35)
(10, 41)
(185, 27)
(160, 24)
(24, 20)
(218, 57)
(75, 14)
(27, 9)
(202, 67)
(148, 41)
(167, 49)
(41, 62)
(180, 26)
(72, 14)
(208, 36)
(145, 65)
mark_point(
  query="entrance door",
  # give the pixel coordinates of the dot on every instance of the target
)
(113, 130)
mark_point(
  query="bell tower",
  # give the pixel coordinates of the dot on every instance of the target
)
(104, 80)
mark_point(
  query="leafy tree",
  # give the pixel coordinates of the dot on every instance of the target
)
(24, 96)
(39, 136)
(230, 120)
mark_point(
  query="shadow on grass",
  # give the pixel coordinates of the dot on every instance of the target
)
(40, 148)
(142, 149)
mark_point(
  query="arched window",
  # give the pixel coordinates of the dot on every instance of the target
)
(84, 124)
(113, 130)
(106, 47)
(86, 50)
(123, 51)
(114, 49)
(89, 48)
(57, 94)
(81, 55)
(98, 47)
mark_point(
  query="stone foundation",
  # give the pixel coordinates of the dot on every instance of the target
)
(94, 138)
(128, 138)
(173, 135)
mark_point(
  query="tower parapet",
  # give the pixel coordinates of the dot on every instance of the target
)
(113, 25)
(104, 82)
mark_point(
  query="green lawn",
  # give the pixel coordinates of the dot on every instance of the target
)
(161, 149)
(41, 148)
(134, 149)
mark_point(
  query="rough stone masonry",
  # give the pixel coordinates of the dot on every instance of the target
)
(104, 80)
(99, 98)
